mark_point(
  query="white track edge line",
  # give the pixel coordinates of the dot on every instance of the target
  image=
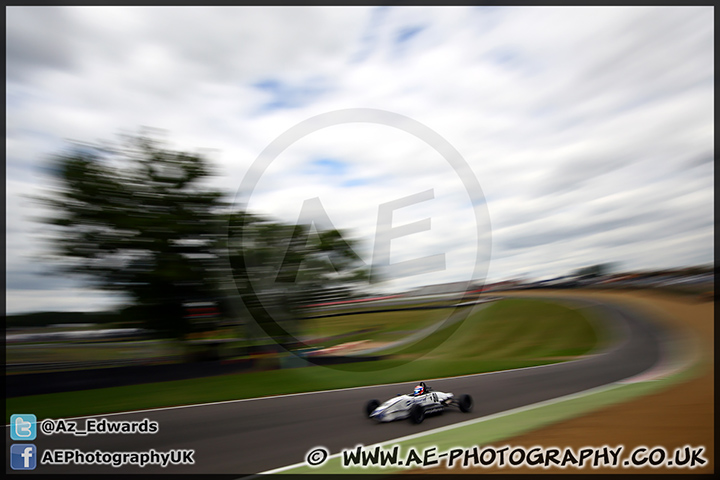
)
(690, 359)
(206, 404)
(543, 403)
(284, 395)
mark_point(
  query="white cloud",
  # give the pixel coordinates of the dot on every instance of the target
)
(67, 300)
(590, 130)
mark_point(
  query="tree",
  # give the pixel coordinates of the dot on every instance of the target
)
(279, 269)
(136, 217)
(592, 271)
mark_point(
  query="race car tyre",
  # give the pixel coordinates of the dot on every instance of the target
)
(371, 406)
(465, 403)
(417, 414)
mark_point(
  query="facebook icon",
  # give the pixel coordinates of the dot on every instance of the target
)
(22, 456)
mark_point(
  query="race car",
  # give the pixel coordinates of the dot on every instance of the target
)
(415, 406)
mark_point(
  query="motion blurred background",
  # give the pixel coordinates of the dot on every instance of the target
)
(129, 131)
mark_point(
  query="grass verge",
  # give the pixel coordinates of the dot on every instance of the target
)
(495, 428)
(509, 334)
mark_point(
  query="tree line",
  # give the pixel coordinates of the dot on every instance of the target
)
(141, 218)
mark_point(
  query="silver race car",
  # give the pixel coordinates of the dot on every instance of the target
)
(423, 401)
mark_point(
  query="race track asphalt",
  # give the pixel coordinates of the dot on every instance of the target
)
(251, 436)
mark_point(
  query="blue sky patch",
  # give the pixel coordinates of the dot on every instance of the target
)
(338, 170)
(328, 166)
(406, 34)
(355, 182)
(368, 42)
(504, 56)
(284, 95)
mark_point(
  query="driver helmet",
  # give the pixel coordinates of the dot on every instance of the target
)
(419, 390)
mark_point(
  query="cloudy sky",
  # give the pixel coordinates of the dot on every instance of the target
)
(588, 130)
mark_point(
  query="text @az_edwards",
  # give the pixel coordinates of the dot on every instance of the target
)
(686, 457)
(98, 426)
